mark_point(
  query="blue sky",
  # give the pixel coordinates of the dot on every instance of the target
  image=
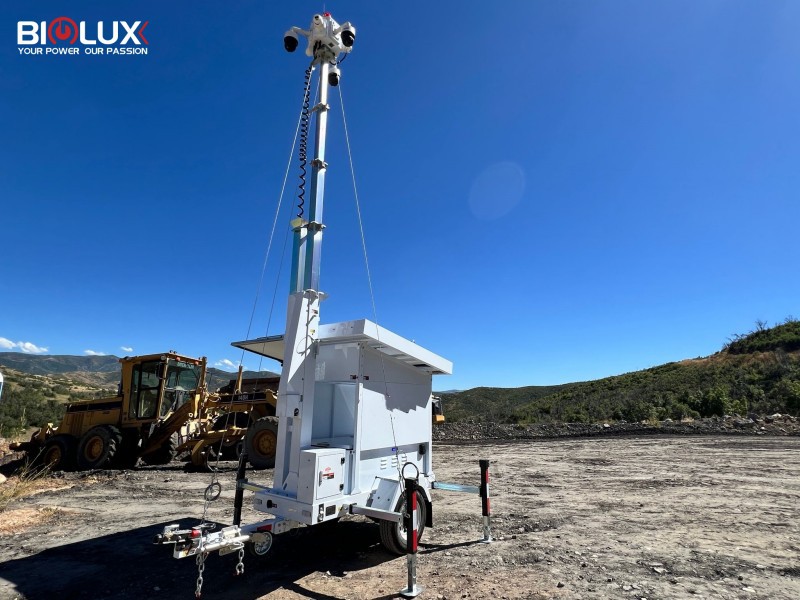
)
(551, 191)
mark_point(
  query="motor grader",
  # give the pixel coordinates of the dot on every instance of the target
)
(162, 409)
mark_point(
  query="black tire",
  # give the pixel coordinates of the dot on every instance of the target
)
(164, 454)
(393, 535)
(58, 453)
(98, 446)
(261, 442)
(128, 452)
(231, 450)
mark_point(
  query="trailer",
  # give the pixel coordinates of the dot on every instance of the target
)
(354, 408)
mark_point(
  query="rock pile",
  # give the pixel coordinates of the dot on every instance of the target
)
(466, 431)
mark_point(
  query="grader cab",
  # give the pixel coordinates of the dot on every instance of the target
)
(162, 409)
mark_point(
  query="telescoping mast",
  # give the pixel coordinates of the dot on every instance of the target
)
(354, 399)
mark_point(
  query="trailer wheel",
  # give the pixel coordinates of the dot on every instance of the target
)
(260, 544)
(59, 453)
(98, 446)
(393, 535)
(164, 454)
(261, 442)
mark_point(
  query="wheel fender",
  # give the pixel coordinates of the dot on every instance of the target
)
(385, 494)
(425, 487)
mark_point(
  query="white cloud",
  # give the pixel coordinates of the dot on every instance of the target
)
(25, 347)
(93, 353)
(126, 348)
(226, 364)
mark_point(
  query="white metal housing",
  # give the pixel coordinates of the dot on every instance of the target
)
(370, 414)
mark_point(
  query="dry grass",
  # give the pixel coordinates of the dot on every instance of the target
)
(27, 482)
(17, 519)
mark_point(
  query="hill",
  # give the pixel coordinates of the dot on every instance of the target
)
(95, 371)
(755, 372)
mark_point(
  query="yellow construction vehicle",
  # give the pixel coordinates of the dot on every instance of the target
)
(162, 409)
(437, 415)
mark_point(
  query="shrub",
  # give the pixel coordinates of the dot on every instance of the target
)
(21, 409)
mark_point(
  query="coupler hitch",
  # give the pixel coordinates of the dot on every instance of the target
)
(202, 538)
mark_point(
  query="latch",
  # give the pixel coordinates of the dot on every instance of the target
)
(326, 475)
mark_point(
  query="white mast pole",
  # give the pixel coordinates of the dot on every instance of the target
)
(326, 41)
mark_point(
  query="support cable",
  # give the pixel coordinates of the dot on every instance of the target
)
(369, 275)
(215, 469)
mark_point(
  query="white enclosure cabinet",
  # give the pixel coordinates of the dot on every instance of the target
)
(370, 414)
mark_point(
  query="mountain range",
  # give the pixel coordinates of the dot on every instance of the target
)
(96, 371)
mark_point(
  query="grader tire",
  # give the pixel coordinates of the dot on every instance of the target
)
(58, 453)
(261, 442)
(98, 447)
(128, 452)
(164, 454)
(393, 535)
(231, 449)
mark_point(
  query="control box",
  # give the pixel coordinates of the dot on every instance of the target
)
(321, 474)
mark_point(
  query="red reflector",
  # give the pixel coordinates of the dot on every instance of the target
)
(264, 528)
(195, 533)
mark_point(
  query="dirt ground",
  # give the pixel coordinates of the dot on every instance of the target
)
(654, 517)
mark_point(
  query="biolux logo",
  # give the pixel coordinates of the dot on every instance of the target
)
(64, 35)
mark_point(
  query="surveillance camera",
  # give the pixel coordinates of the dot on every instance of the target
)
(348, 36)
(290, 41)
(333, 76)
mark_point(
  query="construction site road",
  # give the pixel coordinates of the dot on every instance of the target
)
(653, 517)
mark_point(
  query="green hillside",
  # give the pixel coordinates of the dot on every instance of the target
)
(58, 364)
(755, 372)
(495, 404)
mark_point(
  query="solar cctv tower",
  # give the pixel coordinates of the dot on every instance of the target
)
(354, 399)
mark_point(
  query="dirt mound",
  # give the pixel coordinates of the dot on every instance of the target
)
(468, 431)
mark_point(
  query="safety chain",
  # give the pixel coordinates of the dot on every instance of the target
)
(240, 564)
(200, 560)
(211, 494)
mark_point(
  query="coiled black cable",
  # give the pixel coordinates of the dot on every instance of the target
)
(305, 119)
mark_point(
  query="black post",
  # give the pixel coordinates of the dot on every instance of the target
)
(239, 497)
(485, 505)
